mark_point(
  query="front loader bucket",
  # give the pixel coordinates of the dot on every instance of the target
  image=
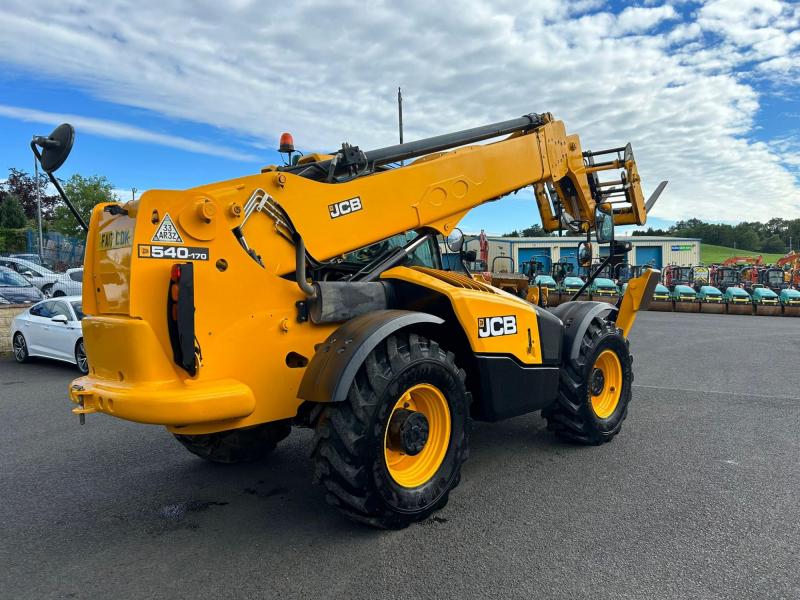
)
(740, 309)
(768, 310)
(687, 307)
(660, 306)
(717, 308)
(791, 311)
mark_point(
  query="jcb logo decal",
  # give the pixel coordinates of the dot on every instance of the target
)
(345, 207)
(495, 326)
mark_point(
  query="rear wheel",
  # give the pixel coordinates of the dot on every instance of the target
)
(47, 290)
(390, 454)
(20, 348)
(80, 357)
(595, 388)
(237, 445)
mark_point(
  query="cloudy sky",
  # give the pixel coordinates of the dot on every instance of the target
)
(181, 93)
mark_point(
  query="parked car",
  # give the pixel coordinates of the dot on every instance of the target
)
(15, 289)
(42, 277)
(34, 258)
(68, 284)
(51, 329)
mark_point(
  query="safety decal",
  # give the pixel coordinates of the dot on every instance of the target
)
(167, 232)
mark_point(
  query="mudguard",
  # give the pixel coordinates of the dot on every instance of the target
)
(576, 317)
(334, 366)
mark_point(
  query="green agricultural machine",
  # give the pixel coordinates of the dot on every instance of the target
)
(662, 301)
(684, 299)
(765, 302)
(569, 286)
(711, 300)
(603, 289)
(790, 302)
(738, 301)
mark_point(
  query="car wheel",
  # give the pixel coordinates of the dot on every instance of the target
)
(20, 348)
(58, 294)
(80, 357)
(47, 290)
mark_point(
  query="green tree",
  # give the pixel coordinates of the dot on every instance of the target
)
(773, 244)
(84, 193)
(11, 214)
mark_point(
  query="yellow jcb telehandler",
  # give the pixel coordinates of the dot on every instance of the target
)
(313, 294)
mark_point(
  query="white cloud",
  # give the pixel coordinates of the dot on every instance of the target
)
(328, 72)
(117, 130)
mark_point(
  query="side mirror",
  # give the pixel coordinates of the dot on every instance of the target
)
(56, 147)
(585, 254)
(455, 241)
(603, 224)
(59, 319)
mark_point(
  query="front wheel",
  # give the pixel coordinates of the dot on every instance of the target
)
(595, 388)
(390, 454)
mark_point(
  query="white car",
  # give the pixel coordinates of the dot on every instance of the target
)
(42, 277)
(68, 284)
(51, 329)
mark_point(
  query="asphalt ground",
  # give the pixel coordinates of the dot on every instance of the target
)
(697, 497)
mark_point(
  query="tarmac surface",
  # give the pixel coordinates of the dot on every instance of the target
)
(696, 498)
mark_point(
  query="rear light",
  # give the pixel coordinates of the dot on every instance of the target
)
(180, 316)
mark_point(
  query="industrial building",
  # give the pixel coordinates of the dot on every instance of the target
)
(655, 251)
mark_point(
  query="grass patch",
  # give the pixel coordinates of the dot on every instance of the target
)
(717, 254)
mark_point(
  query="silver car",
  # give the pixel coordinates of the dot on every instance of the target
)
(69, 283)
(42, 277)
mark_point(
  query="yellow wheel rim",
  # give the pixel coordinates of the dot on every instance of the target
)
(414, 471)
(605, 399)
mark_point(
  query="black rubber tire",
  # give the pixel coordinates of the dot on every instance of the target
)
(47, 289)
(80, 357)
(237, 445)
(20, 348)
(571, 417)
(348, 446)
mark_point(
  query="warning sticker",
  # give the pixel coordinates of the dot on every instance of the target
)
(167, 232)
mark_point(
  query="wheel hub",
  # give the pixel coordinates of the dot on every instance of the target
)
(408, 432)
(597, 383)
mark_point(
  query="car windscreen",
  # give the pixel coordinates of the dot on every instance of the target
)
(11, 279)
(76, 275)
(77, 306)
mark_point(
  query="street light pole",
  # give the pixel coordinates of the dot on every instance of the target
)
(39, 207)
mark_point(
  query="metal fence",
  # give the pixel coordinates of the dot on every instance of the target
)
(59, 252)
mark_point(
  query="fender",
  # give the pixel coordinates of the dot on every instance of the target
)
(576, 317)
(334, 365)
